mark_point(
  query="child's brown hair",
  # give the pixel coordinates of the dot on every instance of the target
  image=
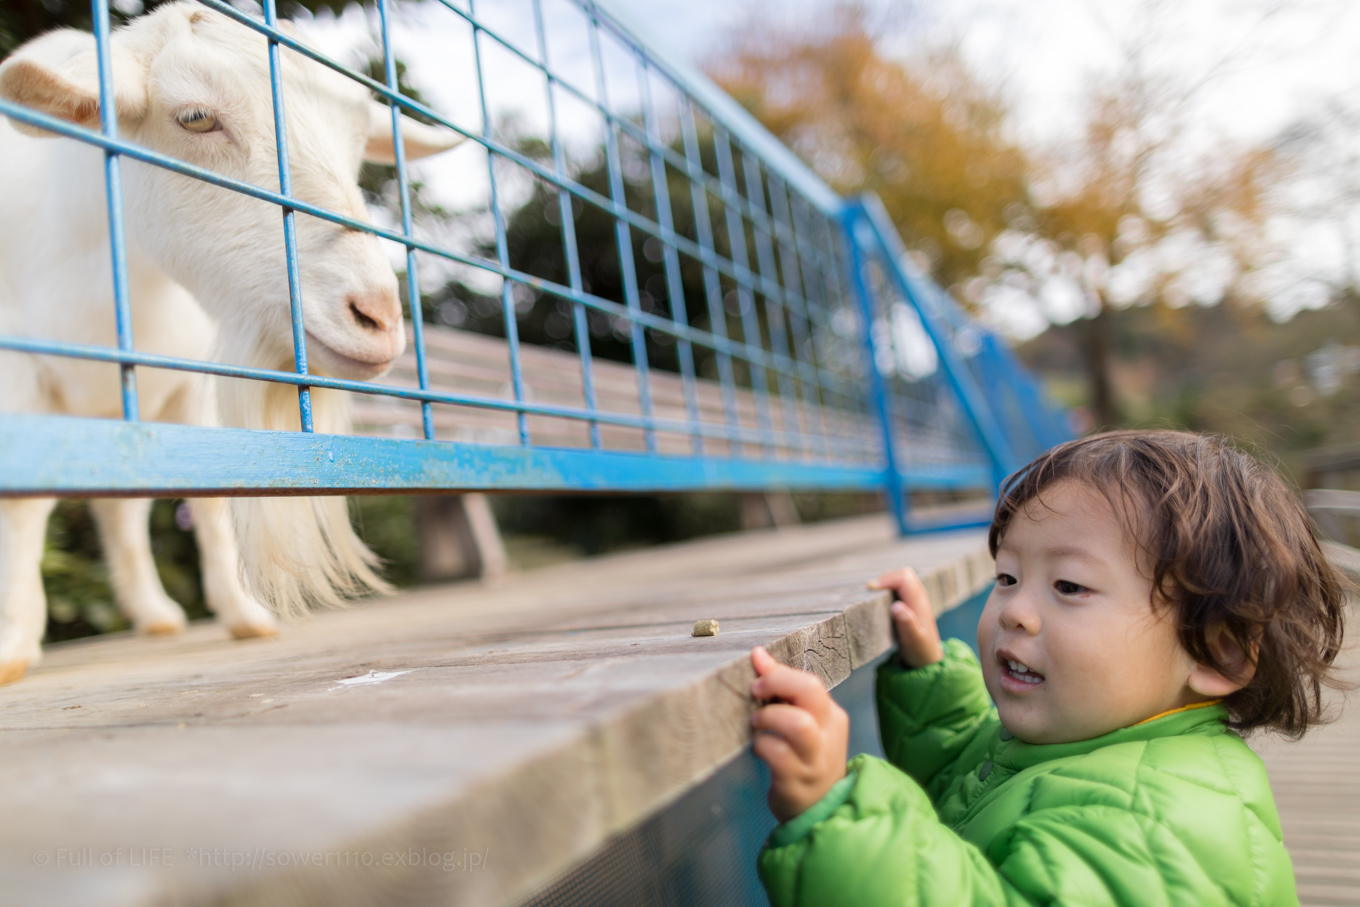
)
(1225, 543)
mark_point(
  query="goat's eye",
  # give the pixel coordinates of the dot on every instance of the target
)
(198, 120)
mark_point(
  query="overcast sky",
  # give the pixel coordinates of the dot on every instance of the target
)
(1044, 50)
(1288, 58)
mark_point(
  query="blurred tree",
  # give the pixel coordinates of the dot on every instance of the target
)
(1284, 387)
(1131, 211)
(1324, 209)
(534, 242)
(1140, 209)
(925, 134)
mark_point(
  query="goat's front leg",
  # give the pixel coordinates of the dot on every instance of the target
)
(220, 560)
(23, 606)
(124, 531)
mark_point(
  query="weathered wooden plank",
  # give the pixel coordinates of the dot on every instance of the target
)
(522, 723)
(461, 362)
(1317, 792)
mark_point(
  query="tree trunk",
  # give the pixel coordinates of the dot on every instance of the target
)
(1096, 337)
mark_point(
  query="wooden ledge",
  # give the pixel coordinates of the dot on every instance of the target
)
(462, 744)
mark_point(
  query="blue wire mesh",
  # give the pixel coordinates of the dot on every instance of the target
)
(759, 321)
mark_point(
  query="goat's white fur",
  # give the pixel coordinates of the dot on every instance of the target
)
(207, 274)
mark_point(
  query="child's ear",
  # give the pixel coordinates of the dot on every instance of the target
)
(1237, 666)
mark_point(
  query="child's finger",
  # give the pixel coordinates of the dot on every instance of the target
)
(918, 635)
(762, 661)
(775, 752)
(905, 585)
(793, 724)
(799, 688)
(779, 681)
(892, 579)
(907, 618)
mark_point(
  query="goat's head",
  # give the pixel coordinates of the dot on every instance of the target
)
(194, 85)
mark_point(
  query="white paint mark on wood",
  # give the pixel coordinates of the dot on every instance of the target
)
(370, 677)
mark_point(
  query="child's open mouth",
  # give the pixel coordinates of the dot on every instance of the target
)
(1016, 676)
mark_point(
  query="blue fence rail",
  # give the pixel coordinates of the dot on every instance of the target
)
(807, 351)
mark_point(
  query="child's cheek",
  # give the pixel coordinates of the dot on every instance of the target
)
(990, 679)
(986, 631)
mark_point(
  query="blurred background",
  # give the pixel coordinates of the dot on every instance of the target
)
(1157, 202)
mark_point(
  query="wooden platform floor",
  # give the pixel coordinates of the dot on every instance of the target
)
(1317, 789)
(455, 745)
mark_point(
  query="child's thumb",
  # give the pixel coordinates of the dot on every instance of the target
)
(762, 660)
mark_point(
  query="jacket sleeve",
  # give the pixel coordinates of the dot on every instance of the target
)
(928, 716)
(884, 845)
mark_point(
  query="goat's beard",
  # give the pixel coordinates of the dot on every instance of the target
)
(296, 552)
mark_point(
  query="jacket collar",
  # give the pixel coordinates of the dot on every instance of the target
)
(1208, 720)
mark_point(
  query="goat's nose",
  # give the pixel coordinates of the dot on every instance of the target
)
(377, 311)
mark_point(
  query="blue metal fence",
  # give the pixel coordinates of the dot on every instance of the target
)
(808, 351)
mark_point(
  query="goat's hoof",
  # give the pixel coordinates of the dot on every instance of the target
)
(11, 671)
(161, 628)
(253, 631)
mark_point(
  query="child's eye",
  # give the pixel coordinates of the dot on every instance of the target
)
(1005, 579)
(1065, 587)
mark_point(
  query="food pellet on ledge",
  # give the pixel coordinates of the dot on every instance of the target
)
(705, 628)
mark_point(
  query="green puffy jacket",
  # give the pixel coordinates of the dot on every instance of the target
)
(1176, 810)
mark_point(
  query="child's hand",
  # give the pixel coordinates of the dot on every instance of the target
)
(803, 736)
(917, 635)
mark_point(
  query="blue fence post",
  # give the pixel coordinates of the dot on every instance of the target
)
(407, 224)
(508, 311)
(113, 187)
(878, 386)
(675, 288)
(623, 239)
(703, 228)
(1047, 424)
(974, 404)
(289, 219)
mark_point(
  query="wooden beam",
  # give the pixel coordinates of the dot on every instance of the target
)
(365, 756)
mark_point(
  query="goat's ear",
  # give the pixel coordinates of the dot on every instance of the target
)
(418, 139)
(58, 74)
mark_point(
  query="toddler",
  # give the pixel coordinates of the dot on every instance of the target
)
(1157, 594)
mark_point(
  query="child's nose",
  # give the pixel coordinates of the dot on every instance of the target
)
(1019, 613)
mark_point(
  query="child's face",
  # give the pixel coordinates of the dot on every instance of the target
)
(1073, 610)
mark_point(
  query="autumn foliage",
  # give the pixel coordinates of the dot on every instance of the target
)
(924, 134)
(1133, 208)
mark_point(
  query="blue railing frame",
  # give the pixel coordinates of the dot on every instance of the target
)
(867, 214)
(824, 246)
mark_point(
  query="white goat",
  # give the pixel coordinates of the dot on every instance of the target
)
(207, 274)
